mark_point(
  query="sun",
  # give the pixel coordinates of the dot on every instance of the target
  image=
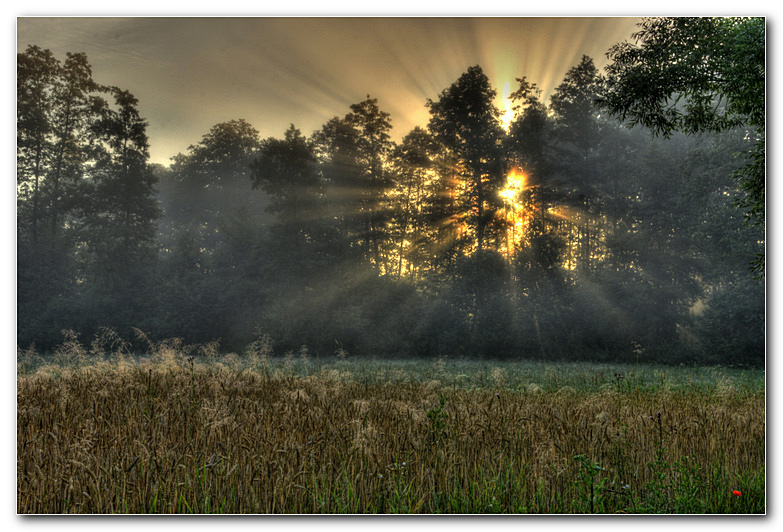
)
(516, 212)
(515, 184)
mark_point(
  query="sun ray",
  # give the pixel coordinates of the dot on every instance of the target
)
(508, 116)
(517, 211)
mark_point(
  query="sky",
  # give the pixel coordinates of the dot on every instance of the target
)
(190, 73)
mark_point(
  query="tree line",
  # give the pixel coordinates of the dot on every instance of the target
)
(560, 234)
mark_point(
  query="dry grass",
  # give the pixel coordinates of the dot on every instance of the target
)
(168, 434)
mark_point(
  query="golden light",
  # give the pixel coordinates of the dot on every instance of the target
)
(515, 184)
(508, 115)
(508, 194)
(517, 214)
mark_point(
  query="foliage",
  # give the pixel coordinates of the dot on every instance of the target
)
(286, 170)
(210, 182)
(697, 75)
(690, 74)
(567, 237)
(573, 108)
(466, 121)
(86, 208)
(221, 158)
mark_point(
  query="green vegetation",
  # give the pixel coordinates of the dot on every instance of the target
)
(697, 74)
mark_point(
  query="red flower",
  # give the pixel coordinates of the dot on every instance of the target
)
(737, 493)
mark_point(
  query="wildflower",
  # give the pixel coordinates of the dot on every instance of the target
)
(737, 493)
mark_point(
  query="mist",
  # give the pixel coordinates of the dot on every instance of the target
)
(561, 234)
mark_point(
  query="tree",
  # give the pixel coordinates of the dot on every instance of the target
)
(465, 120)
(212, 180)
(336, 146)
(696, 75)
(75, 108)
(528, 132)
(56, 104)
(446, 238)
(539, 296)
(222, 158)
(413, 162)
(37, 71)
(87, 216)
(288, 171)
(480, 288)
(577, 137)
(374, 147)
(354, 152)
(118, 212)
(573, 107)
(529, 143)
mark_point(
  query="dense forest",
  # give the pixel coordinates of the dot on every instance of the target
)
(554, 231)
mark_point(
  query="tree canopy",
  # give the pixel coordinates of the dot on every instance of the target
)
(694, 75)
(567, 236)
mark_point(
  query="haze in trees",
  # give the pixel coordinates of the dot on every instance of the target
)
(555, 233)
(694, 75)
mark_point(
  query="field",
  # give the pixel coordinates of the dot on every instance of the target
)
(185, 429)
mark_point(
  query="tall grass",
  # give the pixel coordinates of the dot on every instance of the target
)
(186, 430)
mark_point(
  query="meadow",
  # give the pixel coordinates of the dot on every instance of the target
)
(187, 429)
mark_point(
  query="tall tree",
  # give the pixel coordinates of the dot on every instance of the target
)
(37, 71)
(119, 216)
(529, 141)
(374, 147)
(697, 75)
(466, 121)
(446, 236)
(56, 104)
(75, 108)
(83, 173)
(413, 163)
(355, 153)
(577, 137)
(574, 109)
(287, 170)
(222, 157)
(336, 146)
(528, 132)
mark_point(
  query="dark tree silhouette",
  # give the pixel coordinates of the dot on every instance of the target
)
(465, 120)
